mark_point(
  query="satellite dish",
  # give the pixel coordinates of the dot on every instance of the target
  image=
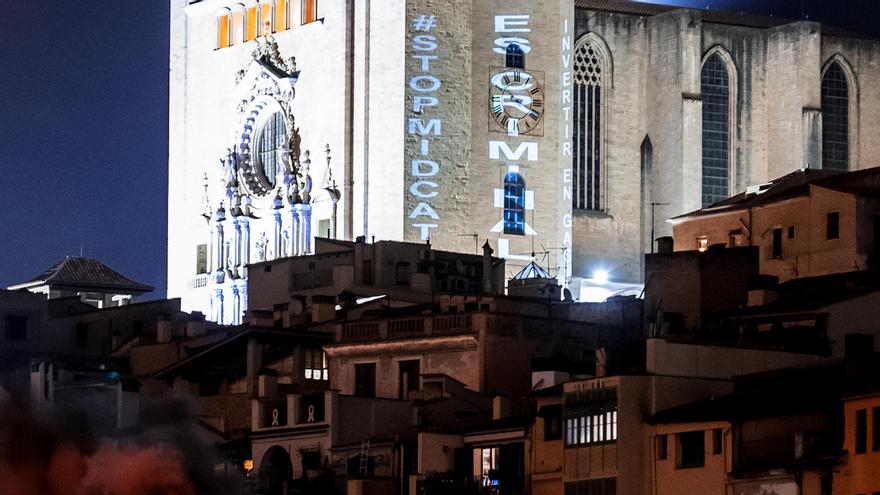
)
(296, 307)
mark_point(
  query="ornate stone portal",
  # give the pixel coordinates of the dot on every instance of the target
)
(262, 207)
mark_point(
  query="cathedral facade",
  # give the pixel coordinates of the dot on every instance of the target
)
(561, 131)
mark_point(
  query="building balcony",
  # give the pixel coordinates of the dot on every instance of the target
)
(407, 328)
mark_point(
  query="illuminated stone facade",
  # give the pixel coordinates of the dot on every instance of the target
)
(547, 128)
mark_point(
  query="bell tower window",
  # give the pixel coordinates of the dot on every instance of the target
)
(515, 57)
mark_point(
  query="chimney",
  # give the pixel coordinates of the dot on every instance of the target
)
(323, 308)
(762, 289)
(487, 268)
(163, 331)
(665, 245)
(195, 328)
(500, 407)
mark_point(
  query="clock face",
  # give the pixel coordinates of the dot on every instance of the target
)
(516, 101)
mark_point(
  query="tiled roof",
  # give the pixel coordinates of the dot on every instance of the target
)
(862, 182)
(86, 273)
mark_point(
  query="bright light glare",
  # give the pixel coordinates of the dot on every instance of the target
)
(600, 277)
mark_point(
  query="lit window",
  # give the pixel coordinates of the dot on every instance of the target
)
(835, 118)
(599, 427)
(515, 57)
(702, 244)
(514, 204)
(316, 365)
(280, 15)
(237, 30)
(251, 23)
(223, 27)
(715, 91)
(271, 146)
(587, 158)
(265, 27)
(309, 11)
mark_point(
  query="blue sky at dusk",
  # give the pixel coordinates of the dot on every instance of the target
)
(83, 115)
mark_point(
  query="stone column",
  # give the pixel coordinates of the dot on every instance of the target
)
(245, 245)
(307, 228)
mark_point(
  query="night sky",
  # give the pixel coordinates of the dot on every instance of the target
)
(84, 123)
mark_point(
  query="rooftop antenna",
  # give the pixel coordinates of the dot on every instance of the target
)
(653, 205)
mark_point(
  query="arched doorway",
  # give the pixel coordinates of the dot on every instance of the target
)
(276, 472)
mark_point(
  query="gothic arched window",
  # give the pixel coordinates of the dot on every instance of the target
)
(515, 57)
(270, 146)
(514, 204)
(715, 90)
(590, 77)
(835, 118)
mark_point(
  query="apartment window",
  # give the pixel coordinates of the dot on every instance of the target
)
(401, 274)
(16, 327)
(791, 231)
(832, 225)
(597, 427)
(733, 238)
(875, 432)
(316, 365)
(662, 445)
(835, 118)
(201, 259)
(365, 380)
(691, 449)
(717, 441)
(367, 275)
(776, 244)
(515, 57)
(553, 424)
(82, 335)
(309, 11)
(861, 431)
(408, 378)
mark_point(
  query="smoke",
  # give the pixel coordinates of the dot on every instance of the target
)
(39, 458)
